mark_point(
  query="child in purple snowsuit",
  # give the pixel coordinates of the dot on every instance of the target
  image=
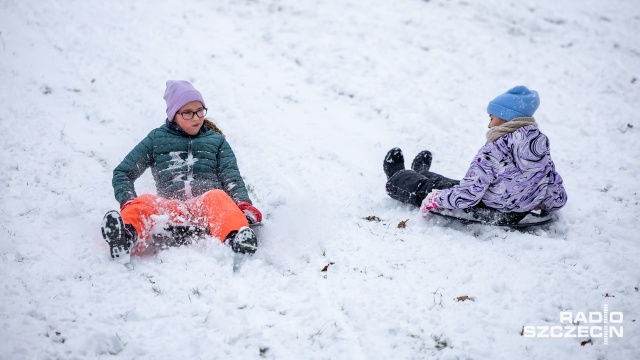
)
(512, 173)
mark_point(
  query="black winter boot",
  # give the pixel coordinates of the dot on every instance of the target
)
(119, 236)
(393, 162)
(243, 241)
(422, 162)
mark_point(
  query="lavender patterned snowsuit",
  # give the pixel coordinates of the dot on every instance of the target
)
(514, 173)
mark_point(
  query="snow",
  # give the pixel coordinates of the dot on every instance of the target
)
(311, 95)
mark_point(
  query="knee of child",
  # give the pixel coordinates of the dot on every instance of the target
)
(215, 193)
(145, 199)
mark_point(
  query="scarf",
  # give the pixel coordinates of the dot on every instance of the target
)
(497, 132)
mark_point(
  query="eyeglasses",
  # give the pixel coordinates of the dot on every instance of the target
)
(188, 115)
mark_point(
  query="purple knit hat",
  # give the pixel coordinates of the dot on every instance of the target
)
(178, 94)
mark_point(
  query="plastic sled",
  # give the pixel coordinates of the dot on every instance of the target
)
(486, 216)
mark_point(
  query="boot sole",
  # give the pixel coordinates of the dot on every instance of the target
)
(245, 241)
(391, 167)
(419, 165)
(113, 232)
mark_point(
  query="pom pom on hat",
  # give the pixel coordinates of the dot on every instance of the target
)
(178, 94)
(515, 103)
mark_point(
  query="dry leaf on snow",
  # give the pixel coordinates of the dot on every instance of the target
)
(327, 266)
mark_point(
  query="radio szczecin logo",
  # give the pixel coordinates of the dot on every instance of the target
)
(598, 324)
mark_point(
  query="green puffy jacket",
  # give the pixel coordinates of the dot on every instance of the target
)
(183, 166)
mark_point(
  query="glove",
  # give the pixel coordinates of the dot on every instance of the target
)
(429, 203)
(253, 215)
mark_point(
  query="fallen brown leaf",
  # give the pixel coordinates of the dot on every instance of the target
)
(327, 266)
(465, 297)
(402, 224)
(373, 218)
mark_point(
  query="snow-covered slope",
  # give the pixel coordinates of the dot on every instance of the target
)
(311, 95)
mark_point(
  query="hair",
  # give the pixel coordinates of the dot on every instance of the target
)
(210, 125)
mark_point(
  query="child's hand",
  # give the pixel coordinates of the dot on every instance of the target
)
(253, 215)
(429, 203)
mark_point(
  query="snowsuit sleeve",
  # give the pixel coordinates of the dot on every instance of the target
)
(130, 169)
(475, 183)
(229, 174)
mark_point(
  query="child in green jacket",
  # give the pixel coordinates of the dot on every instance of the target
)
(197, 180)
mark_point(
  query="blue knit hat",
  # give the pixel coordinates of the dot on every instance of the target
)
(515, 103)
(178, 94)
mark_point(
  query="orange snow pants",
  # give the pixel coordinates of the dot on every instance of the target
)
(214, 210)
